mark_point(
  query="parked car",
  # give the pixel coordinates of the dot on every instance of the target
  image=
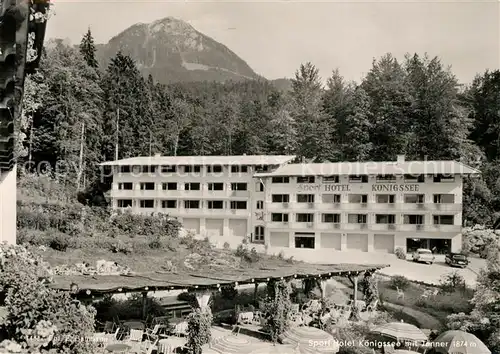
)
(423, 255)
(456, 260)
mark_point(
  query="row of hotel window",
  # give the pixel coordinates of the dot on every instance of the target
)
(188, 204)
(363, 198)
(301, 179)
(363, 218)
(192, 186)
(194, 169)
(365, 178)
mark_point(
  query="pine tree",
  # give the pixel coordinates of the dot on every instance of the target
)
(88, 50)
(125, 114)
(483, 98)
(312, 125)
(389, 104)
(440, 124)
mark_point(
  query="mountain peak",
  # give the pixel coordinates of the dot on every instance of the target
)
(171, 50)
(170, 24)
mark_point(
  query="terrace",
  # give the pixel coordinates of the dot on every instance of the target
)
(168, 332)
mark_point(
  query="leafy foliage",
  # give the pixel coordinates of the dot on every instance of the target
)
(400, 253)
(277, 307)
(199, 324)
(33, 308)
(400, 282)
(369, 287)
(484, 320)
(453, 282)
(479, 240)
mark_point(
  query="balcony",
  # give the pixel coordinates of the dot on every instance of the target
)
(239, 212)
(240, 194)
(329, 206)
(355, 226)
(430, 228)
(215, 211)
(215, 194)
(328, 226)
(302, 206)
(383, 227)
(446, 207)
(444, 228)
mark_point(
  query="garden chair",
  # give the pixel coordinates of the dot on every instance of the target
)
(154, 332)
(114, 336)
(257, 318)
(109, 327)
(245, 317)
(148, 346)
(401, 293)
(181, 328)
(135, 336)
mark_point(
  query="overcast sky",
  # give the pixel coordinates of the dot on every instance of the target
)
(275, 37)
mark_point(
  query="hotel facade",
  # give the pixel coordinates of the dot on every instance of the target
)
(368, 207)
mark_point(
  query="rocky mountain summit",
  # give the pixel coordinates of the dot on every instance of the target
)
(172, 50)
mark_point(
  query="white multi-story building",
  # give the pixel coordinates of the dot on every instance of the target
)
(370, 206)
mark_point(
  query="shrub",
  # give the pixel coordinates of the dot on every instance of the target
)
(199, 325)
(247, 255)
(227, 245)
(452, 282)
(122, 247)
(401, 282)
(478, 240)
(57, 241)
(31, 304)
(400, 253)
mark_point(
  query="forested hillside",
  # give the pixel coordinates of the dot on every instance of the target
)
(74, 114)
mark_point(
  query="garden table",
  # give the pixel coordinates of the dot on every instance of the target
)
(118, 348)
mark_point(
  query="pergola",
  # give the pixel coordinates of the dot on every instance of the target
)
(203, 283)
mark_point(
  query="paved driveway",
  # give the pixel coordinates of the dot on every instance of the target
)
(414, 271)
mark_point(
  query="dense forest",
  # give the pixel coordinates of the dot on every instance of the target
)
(74, 114)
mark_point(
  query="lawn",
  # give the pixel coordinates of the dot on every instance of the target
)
(440, 306)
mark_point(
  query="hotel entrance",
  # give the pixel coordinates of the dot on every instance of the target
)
(305, 240)
(436, 245)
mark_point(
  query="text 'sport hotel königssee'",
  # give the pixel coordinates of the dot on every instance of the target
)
(363, 206)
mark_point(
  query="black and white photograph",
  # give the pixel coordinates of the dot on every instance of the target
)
(249, 177)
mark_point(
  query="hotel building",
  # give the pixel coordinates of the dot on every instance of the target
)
(370, 206)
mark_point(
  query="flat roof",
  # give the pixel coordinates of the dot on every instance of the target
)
(372, 168)
(158, 281)
(254, 160)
